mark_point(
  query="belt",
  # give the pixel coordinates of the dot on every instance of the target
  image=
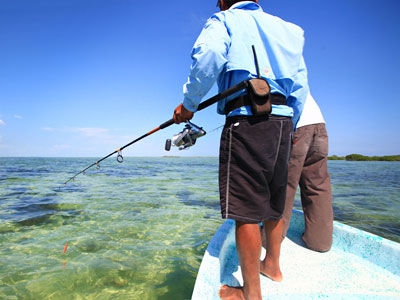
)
(244, 100)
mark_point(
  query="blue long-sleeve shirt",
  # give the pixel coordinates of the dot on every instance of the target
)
(223, 53)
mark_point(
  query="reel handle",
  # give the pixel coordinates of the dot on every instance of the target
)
(168, 145)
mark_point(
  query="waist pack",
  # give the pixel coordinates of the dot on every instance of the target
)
(260, 101)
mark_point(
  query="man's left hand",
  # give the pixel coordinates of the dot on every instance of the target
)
(181, 114)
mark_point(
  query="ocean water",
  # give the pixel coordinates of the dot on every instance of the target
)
(138, 230)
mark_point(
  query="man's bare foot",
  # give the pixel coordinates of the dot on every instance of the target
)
(231, 293)
(273, 273)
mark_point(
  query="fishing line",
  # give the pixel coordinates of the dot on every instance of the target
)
(215, 129)
(186, 138)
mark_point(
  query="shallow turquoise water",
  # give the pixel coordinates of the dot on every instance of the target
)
(138, 230)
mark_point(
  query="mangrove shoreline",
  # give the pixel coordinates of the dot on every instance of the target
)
(359, 157)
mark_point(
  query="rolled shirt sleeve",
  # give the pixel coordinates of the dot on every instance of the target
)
(209, 56)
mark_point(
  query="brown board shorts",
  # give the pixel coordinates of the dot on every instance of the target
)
(253, 165)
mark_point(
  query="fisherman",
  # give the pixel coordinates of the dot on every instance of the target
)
(308, 167)
(254, 149)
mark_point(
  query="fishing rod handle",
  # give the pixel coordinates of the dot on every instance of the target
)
(236, 88)
(166, 124)
(240, 86)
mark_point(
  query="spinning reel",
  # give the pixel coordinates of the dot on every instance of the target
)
(186, 138)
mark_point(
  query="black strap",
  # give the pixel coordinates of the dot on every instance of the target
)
(244, 100)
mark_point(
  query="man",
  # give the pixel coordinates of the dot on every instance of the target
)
(254, 150)
(308, 166)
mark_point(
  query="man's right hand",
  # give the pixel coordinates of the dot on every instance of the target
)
(181, 114)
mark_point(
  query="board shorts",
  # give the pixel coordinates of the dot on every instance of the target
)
(253, 167)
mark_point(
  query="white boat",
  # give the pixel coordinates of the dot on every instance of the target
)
(360, 265)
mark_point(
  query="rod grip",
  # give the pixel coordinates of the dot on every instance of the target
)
(166, 124)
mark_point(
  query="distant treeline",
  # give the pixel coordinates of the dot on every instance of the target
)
(359, 157)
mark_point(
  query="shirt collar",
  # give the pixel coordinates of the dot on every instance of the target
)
(247, 5)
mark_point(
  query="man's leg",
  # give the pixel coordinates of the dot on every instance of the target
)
(301, 144)
(316, 195)
(270, 265)
(248, 244)
(277, 186)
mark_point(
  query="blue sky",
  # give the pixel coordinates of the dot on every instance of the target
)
(84, 77)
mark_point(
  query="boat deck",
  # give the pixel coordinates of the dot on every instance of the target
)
(359, 266)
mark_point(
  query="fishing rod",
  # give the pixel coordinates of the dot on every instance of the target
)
(240, 86)
(257, 88)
